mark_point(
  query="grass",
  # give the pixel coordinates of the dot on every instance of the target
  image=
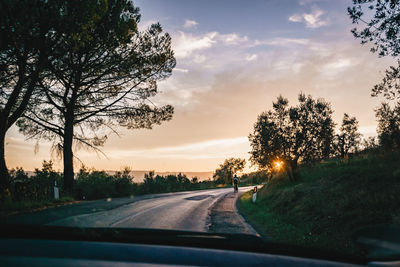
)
(328, 203)
(12, 207)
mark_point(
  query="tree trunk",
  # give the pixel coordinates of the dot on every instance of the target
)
(292, 172)
(68, 157)
(4, 176)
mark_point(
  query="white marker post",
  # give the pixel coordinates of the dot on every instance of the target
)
(254, 194)
(56, 192)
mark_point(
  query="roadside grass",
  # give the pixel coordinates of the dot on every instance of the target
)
(12, 207)
(328, 203)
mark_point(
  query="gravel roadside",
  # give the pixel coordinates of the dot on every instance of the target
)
(224, 217)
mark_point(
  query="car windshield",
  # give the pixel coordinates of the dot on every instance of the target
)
(278, 119)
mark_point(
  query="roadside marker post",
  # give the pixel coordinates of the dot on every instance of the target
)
(56, 192)
(254, 194)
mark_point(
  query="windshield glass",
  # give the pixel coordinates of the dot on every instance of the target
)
(278, 119)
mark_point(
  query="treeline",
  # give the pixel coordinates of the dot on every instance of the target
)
(94, 184)
(287, 136)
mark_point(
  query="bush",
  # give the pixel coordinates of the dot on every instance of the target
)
(36, 188)
(254, 178)
(93, 184)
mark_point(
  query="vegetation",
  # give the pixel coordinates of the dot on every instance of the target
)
(348, 140)
(352, 187)
(254, 178)
(329, 202)
(292, 134)
(382, 31)
(93, 184)
(389, 126)
(224, 174)
(9, 206)
(24, 45)
(74, 71)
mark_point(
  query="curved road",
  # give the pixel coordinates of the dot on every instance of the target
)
(191, 210)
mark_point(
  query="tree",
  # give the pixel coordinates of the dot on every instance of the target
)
(26, 41)
(348, 140)
(292, 134)
(224, 174)
(388, 126)
(370, 144)
(383, 31)
(383, 28)
(107, 72)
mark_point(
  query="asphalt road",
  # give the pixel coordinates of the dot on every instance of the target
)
(203, 210)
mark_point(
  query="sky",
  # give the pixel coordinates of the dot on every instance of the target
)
(234, 58)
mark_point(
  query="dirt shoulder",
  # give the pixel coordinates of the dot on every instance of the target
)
(224, 217)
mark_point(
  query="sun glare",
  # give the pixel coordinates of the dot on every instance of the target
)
(278, 164)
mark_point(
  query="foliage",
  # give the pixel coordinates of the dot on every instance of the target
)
(224, 174)
(36, 188)
(293, 134)
(171, 183)
(93, 184)
(370, 145)
(382, 30)
(329, 203)
(106, 72)
(25, 39)
(254, 178)
(390, 85)
(389, 126)
(348, 140)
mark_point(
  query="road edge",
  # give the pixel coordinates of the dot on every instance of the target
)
(242, 221)
(257, 228)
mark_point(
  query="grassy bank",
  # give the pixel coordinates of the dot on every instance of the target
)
(328, 203)
(10, 207)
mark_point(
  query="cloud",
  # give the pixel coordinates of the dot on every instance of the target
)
(282, 42)
(185, 44)
(214, 148)
(199, 58)
(181, 70)
(251, 57)
(295, 18)
(190, 24)
(312, 20)
(232, 38)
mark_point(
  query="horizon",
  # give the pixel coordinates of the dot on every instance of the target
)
(228, 71)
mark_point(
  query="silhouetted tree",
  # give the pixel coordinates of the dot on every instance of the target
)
(26, 41)
(292, 134)
(107, 73)
(382, 30)
(224, 174)
(348, 140)
(370, 144)
(388, 126)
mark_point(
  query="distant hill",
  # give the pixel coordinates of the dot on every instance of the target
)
(139, 175)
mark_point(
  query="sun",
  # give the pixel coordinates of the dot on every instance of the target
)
(278, 164)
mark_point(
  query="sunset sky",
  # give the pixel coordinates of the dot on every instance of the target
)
(233, 59)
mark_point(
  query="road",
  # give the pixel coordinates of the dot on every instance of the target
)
(203, 210)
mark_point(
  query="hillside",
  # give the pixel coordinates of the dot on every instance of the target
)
(329, 203)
